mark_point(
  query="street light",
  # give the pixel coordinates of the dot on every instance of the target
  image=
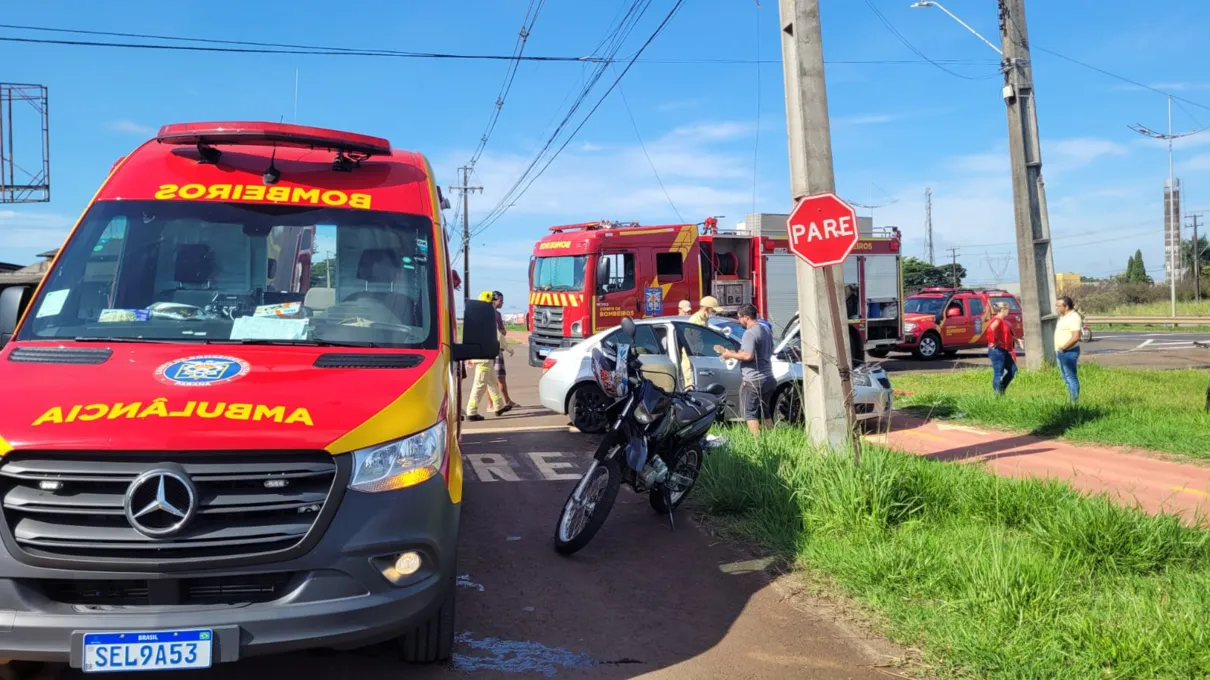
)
(929, 3)
(1174, 230)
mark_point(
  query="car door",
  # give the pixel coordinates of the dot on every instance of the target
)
(654, 349)
(708, 368)
(975, 310)
(957, 327)
(618, 295)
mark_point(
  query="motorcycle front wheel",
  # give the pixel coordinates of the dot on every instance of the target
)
(583, 516)
(684, 470)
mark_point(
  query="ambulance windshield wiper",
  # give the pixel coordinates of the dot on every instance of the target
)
(295, 343)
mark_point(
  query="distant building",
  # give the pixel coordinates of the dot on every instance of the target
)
(27, 276)
(1172, 230)
(1066, 281)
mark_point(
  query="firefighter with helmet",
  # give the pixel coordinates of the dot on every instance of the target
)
(486, 381)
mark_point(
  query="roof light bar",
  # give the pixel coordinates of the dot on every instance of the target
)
(281, 134)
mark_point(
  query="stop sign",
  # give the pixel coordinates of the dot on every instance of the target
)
(823, 230)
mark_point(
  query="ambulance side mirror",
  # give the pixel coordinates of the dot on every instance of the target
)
(480, 337)
(13, 301)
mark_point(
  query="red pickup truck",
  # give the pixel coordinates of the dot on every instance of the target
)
(940, 321)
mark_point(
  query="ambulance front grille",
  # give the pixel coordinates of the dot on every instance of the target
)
(71, 506)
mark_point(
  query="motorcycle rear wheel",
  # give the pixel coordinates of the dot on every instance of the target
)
(688, 463)
(580, 521)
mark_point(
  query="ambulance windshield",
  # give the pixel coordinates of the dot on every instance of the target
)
(564, 273)
(220, 273)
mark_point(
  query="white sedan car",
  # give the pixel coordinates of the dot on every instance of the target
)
(567, 385)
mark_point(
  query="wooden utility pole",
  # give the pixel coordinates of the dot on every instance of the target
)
(825, 355)
(1034, 257)
(466, 189)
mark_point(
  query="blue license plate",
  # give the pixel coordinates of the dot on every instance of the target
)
(162, 650)
(543, 351)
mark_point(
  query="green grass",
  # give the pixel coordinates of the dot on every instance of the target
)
(1146, 409)
(515, 327)
(1186, 308)
(990, 577)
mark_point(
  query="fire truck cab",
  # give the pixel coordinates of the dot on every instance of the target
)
(587, 277)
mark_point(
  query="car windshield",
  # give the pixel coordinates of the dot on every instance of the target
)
(923, 305)
(192, 272)
(564, 273)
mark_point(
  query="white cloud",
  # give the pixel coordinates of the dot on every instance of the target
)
(715, 132)
(131, 128)
(24, 234)
(1080, 151)
(1199, 163)
(864, 119)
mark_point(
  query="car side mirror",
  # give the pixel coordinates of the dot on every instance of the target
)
(13, 301)
(480, 337)
(952, 312)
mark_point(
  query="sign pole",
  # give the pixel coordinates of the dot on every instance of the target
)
(810, 146)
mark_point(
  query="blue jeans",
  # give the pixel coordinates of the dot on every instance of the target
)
(1067, 368)
(1004, 369)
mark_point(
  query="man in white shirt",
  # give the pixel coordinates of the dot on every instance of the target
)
(1067, 345)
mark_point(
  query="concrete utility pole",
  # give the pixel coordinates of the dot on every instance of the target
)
(1197, 258)
(1034, 257)
(466, 189)
(824, 357)
(953, 266)
(928, 222)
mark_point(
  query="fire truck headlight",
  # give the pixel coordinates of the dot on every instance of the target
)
(577, 329)
(909, 327)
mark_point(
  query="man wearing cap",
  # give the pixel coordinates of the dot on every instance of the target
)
(706, 308)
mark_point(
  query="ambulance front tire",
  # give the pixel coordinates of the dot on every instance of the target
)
(433, 640)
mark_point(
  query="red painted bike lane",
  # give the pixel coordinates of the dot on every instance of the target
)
(1155, 484)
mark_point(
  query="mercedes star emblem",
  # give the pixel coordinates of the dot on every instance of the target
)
(545, 317)
(160, 503)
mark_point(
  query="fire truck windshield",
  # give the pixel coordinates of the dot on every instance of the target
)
(564, 273)
(923, 305)
(215, 273)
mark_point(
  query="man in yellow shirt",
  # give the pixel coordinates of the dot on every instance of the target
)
(701, 317)
(1067, 345)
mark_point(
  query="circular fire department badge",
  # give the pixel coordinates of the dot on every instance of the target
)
(202, 371)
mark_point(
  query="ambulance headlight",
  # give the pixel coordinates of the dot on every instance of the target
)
(577, 329)
(401, 463)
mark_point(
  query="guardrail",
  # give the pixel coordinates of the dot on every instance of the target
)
(1147, 320)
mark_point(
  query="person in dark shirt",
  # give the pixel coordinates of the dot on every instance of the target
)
(755, 358)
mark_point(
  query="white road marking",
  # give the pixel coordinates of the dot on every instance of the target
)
(550, 470)
(490, 467)
(515, 428)
(1144, 344)
(960, 428)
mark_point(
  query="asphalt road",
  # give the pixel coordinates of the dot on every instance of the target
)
(643, 599)
(1111, 348)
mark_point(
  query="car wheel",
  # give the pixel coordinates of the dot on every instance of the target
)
(433, 640)
(930, 346)
(787, 405)
(587, 408)
(879, 352)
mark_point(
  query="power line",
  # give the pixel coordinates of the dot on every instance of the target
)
(908, 44)
(643, 146)
(253, 47)
(527, 26)
(511, 198)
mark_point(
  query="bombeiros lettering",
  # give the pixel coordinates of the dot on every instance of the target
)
(162, 408)
(259, 193)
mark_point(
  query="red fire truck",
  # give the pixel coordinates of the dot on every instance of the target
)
(586, 277)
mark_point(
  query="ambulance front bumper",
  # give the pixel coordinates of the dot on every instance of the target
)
(335, 596)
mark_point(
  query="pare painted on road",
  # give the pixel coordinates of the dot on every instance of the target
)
(533, 466)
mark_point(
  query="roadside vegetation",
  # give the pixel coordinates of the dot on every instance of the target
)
(988, 576)
(515, 327)
(1145, 409)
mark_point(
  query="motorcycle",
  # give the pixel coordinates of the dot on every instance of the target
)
(656, 445)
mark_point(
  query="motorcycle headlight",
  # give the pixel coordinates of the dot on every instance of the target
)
(401, 463)
(862, 380)
(642, 415)
(909, 327)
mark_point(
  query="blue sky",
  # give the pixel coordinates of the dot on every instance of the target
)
(897, 127)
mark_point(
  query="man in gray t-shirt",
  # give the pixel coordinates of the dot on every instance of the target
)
(755, 357)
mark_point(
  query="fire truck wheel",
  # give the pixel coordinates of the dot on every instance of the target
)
(586, 406)
(879, 352)
(930, 346)
(856, 348)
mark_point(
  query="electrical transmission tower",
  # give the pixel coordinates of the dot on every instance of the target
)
(928, 223)
(23, 181)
